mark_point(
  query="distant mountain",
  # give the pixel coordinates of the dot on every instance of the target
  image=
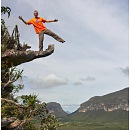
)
(110, 102)
(68, 112)
(107, 108)
(56, 109)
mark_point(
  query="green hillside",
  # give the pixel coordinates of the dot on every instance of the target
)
(93, 126)
(100, 116)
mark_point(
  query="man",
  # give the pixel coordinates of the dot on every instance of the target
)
(40, 28)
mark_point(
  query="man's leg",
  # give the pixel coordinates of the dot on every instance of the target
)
(55, 36)
(41, 38)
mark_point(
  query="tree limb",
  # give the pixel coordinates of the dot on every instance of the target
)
(8, 83)
(16, 57)
(12, 102)
(15, 124)
(11, 123)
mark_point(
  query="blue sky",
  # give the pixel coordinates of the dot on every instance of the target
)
(94, 59)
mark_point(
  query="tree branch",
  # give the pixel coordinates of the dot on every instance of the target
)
(11, 123)
(15, 57)
(12, 102)
(8, 83)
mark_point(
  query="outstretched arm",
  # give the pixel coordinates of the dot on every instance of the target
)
(55, 20)
(20, 17)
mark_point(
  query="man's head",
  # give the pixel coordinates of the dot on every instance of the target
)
(35, 13)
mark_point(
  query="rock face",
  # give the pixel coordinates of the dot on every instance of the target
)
(56, 109)
(17, 57)
(114, 101)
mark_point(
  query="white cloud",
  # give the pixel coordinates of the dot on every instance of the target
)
(88, 79)
(125, 71)
(48, 81)
(78, 83)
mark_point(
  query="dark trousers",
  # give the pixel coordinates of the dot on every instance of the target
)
(50, 33)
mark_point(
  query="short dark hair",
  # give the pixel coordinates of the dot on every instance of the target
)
(35, 11)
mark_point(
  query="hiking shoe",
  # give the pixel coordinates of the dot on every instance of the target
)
(63, 41)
